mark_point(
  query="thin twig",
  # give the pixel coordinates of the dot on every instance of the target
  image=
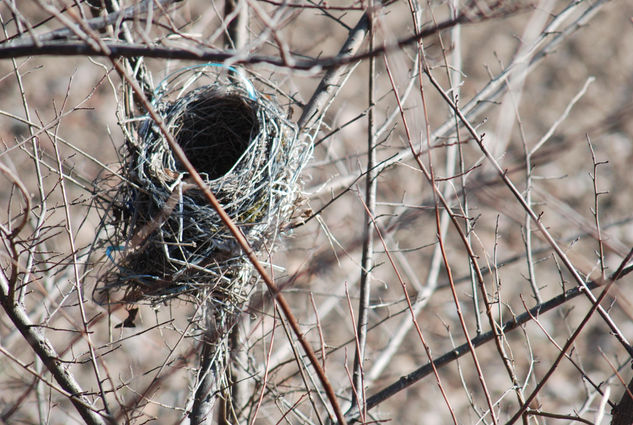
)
(371, 183)
(437, 195)
(118, 49)
(572, 339)
(596, 207)
(508, 326)
(535, 218)
(334, 79)
(45, 351)
(553, 36)
(98, 23)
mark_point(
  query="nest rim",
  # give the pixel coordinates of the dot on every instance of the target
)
(258, 191)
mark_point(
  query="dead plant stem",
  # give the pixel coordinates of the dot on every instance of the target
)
(371, 181)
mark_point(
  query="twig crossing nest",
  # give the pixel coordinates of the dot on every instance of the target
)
(168, 241)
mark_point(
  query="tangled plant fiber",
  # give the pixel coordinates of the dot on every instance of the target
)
(169, 241)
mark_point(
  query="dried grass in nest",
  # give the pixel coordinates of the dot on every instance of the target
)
(163, 238)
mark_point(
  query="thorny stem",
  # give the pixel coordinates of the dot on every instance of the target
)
(479, 340)
(368, 234)
(509, 114)
(487, 96)
(430, 176)
(78, 281)
(535, 218)
(596, 206)
(572, 339)
(411, 309)
(454, 75)
(36, 161)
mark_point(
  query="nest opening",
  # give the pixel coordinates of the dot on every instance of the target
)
(215, 132)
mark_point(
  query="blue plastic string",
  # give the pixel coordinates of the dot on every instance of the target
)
(113, 248)
(138, 277)
(247, 84)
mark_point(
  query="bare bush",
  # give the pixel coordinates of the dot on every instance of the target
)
(460, 253)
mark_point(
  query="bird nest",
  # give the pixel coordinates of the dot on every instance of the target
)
(162, 238)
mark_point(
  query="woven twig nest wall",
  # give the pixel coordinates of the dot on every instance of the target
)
(163, 239)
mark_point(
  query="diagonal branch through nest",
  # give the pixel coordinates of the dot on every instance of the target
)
(163, 239)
